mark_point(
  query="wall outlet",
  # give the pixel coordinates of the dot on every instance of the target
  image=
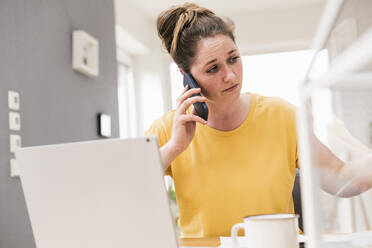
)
(13, 100)
(15, 142)
(14, 170)
(14, 121)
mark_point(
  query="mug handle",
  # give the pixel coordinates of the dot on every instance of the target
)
(234, 233)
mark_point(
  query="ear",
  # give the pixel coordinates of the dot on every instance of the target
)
(182, 72)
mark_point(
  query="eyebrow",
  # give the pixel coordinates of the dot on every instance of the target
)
(214, 60)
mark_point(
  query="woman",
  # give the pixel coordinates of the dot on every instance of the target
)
(243, 160)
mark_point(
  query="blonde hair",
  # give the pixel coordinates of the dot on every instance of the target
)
(182, 26)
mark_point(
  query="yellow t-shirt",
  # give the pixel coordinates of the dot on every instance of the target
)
(224, 176)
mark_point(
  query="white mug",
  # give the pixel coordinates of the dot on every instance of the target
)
(268, 231)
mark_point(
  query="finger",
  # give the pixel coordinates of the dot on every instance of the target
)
(187, 95)
(186, 104)
(192, 118)
(186, 88)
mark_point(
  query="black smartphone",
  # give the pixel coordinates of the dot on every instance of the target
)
(200, 107)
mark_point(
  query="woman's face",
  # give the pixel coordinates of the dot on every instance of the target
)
(218, 68)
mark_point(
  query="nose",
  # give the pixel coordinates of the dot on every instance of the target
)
(229, 74)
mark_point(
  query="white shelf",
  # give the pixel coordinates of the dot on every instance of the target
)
(345, 73)
(353, 59)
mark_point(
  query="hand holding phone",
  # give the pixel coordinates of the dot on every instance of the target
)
(200, 107)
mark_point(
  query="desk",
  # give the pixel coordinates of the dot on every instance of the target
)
(205, 242)
(200, 242)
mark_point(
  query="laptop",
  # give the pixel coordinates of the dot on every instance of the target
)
(95, 194)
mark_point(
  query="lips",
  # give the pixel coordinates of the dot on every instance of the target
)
(231, 88)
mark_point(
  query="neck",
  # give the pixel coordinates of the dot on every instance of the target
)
(228, 116)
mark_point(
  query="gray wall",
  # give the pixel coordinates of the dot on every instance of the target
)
(57, 104)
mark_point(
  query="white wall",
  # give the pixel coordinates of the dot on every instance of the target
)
(277, 31)
(130, 18)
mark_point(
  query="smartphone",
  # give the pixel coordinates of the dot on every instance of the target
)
(200, 107)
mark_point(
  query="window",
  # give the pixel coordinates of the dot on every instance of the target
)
(176, 83)
(152, 100)
(126, 100)
(278, 74)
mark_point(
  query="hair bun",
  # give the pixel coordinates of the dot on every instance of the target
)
(172, 22)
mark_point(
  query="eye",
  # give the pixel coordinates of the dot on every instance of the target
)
(213, 69)
(234, 59)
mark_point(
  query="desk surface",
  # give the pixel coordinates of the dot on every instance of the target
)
(200, 242)
(206, 242)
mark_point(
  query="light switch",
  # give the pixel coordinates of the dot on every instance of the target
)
(15, 142)
(104, 125)
(85, 53)
(14, 170)
(13, 100)
(14, 121)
